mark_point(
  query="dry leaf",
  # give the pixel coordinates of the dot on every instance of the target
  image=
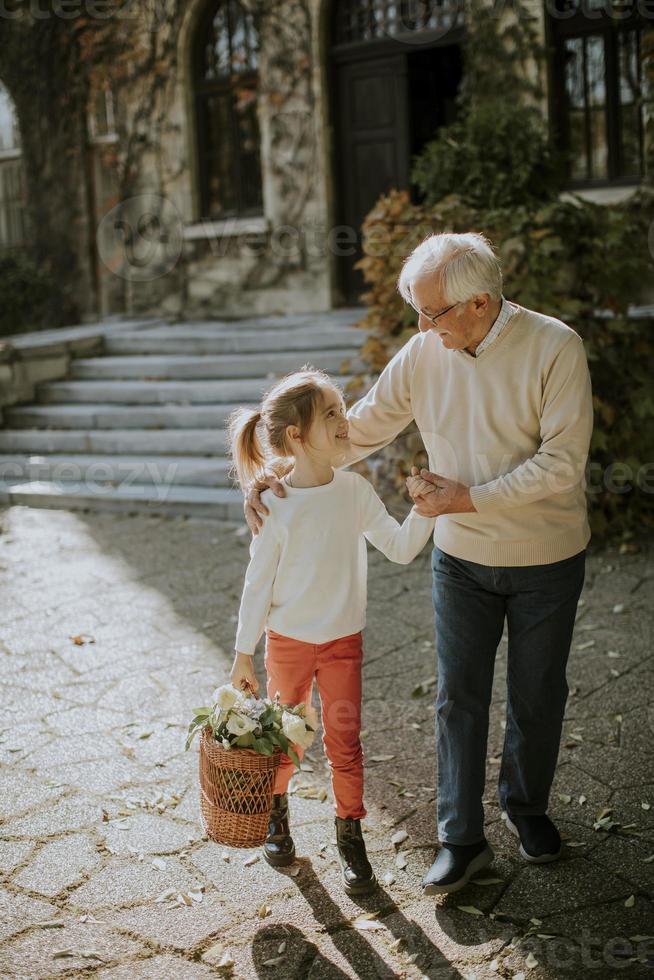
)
(470, 909)
(531, 961)
(159, 864)
(263, 911)
(389, 878)
(619, 607)
(582, 800)
(368, 922)
(487, 881)
(401, 861)
(196, 896)
(399, 836)
(167, 894)
(380, 758)
(50, 924)
(646, 806)
(294, 872)
(275, 961)
(536, 922)
(565, 798)
(251, 860)
(282, 947)
(630, 902)
(586, 645)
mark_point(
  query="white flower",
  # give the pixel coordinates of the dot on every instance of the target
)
(226, 696)
(295, 730)
(253, 707)
(238, 725)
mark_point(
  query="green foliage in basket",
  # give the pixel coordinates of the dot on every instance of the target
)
(240, 721)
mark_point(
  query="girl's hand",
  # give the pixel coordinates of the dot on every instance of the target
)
(243, 670)
(416, 486)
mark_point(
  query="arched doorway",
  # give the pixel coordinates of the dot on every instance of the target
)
(394, 71)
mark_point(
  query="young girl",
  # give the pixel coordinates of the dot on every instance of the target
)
(306, 586)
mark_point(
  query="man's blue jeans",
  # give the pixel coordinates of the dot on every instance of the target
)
(470, 604)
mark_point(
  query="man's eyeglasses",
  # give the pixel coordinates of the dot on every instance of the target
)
(434, 319)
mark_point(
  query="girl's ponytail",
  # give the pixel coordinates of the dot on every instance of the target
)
(245, 445)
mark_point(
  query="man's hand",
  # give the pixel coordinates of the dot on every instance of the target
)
(243, 671)
(445, 497)
(255, 510)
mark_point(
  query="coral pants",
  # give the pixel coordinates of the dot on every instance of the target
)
(291, 666)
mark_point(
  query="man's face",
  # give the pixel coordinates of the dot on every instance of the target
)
(463, 326)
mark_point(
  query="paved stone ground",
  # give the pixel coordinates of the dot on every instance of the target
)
(99, 814)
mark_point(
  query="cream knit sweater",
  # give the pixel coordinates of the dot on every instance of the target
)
(513, 424)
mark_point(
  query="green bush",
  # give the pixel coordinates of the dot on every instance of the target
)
(496, 156)
(27, 294)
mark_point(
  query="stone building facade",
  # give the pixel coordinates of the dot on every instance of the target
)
(282, 124)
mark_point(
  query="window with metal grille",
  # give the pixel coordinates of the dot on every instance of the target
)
(13, 212)
(225, 62)
(597, 89)
(375, 20)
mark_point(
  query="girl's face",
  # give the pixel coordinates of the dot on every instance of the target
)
(328, 436)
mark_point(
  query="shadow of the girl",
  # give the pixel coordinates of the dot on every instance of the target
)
(365, 956)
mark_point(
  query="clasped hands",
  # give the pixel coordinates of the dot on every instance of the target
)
(434, 495)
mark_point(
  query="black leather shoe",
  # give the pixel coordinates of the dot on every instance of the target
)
(455, 865)
(278, 848)
(358, 876)
(540, 841)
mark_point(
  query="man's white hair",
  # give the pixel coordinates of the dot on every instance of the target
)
(463, 265)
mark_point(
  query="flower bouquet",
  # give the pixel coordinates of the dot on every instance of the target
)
(241, 740)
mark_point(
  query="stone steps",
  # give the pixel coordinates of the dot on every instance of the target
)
(179, 442)
(107, 416)
(101, 468)
(142, 427)
(208, 366)
(211, 502)
(196, 341)
(145, 392)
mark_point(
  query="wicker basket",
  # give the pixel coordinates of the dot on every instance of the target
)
(236, 790)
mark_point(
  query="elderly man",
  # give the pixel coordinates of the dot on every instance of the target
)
(502, 398)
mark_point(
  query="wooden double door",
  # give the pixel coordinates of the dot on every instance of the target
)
(385, 108)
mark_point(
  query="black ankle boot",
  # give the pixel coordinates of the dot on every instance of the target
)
(358, 876)
(278, 848)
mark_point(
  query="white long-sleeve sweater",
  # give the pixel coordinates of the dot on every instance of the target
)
(307, 576)
(513, 424)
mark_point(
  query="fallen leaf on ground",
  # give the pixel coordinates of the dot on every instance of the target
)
(275, 961)
(263, 911)
(251, 860)
(367, 922)
(87, 954)
(159, 864)
(401, 861)
(399, 836)
(531, 961)
(630, 902)
(487, 881)
(380, 758)
(470, 909)
(389, 878)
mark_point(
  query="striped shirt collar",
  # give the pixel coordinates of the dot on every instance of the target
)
(506, 312)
